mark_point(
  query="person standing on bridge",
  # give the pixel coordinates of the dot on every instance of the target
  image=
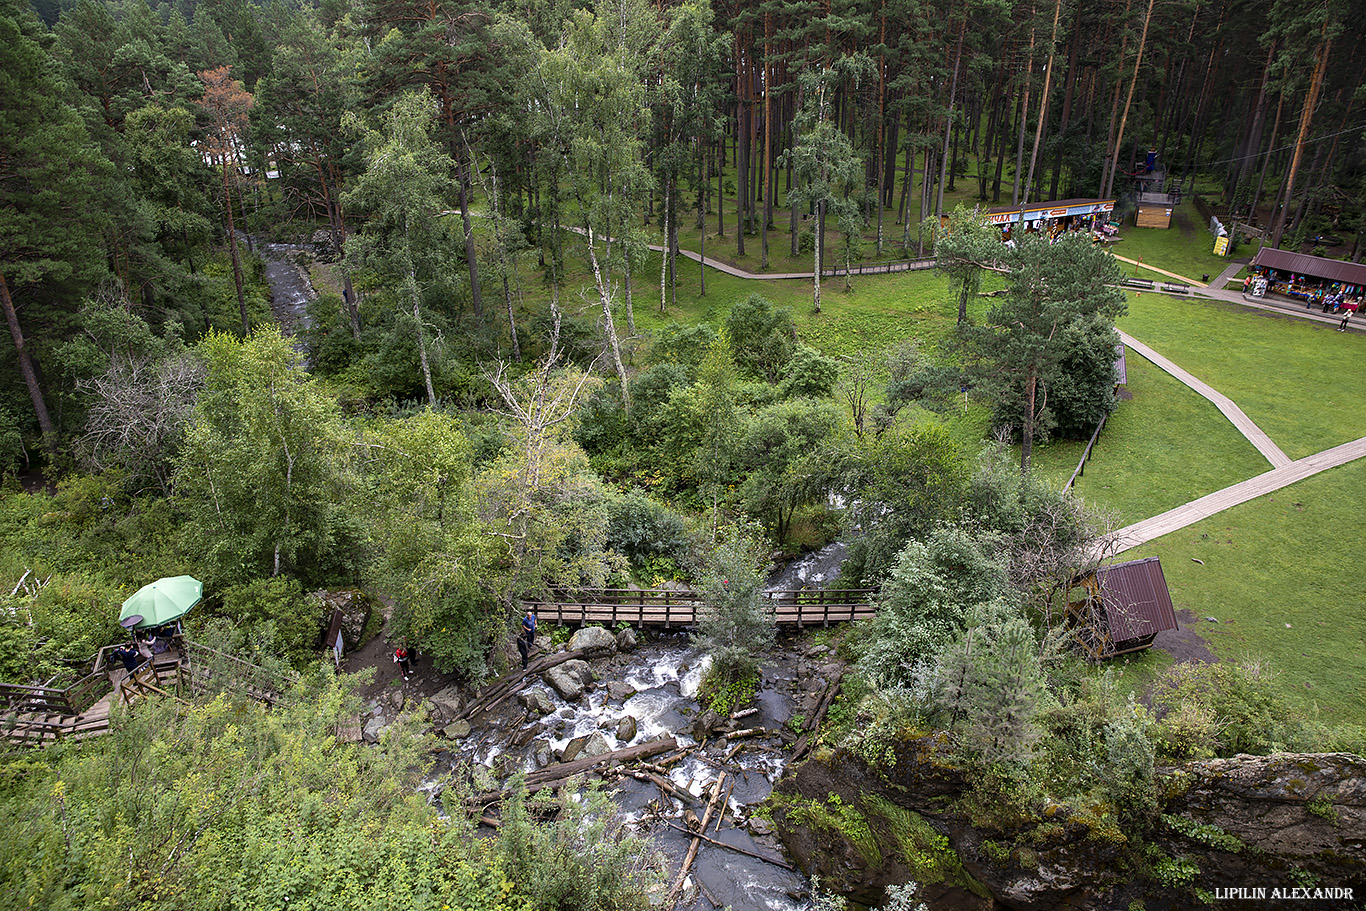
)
(527, 640)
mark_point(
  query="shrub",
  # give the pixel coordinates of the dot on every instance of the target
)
(761, 338)
(935, 585)
(810, 374)
(582, 858)
(1223, 709)
(638, 528)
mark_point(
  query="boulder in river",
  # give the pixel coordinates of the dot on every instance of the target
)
(456, 730)
(570, 679)
(626, 729)
(597, 641)
(585, 747)
(627, 640)
(619, 691)
(536, 702)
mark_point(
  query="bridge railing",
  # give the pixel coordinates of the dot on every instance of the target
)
(679, 607)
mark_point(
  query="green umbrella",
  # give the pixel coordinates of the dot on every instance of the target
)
(162, 601)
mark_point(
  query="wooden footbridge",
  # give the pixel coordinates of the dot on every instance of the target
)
(35, 716)
(679, 608)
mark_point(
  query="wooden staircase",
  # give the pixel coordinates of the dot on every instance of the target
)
(35, 716)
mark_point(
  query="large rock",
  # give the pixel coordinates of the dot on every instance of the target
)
(448, 701)
(597, 641)
(570, 679)
(456, 730)
(536, 702)
(585, 747)
(541, 754)
(626, 729)
(627, 641)
(373, 729)
(619, 691)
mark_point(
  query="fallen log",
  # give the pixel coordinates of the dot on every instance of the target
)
(666, 787)
(738, 850)
(672, 898)
(823, 706)
(747, 732)
(725, 803)
(743, 714)
(556, 774)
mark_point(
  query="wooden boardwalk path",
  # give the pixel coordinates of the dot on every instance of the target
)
(671, 608)
(1245, 425)
(1210, 504)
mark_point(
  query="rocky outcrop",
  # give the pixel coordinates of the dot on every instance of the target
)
(1248, 822)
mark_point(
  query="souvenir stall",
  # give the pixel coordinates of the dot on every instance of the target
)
(1332, 284)
(1054, 218)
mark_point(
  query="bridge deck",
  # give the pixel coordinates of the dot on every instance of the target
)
(672, 608)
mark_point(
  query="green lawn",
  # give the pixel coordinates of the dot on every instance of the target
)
(1186, 248)
(1279, 576)
(1300, 382)
(1164, 447)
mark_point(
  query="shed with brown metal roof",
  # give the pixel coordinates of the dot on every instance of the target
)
(1125, 606)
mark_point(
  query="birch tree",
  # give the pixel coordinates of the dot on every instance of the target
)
(404, 186)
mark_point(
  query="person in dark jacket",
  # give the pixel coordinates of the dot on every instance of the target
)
(527, 640)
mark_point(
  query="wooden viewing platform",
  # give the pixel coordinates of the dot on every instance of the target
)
(679, 608)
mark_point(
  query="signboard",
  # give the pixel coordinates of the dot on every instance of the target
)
(1221, 245)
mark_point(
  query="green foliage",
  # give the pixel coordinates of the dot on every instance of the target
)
(735, 623)
(762, 337)
(1213, 836)
(925, 603)
(53, 627)
(686, 346)
(584, 858)
(227, 805)
(265, 469)
(640, 529)
(297, 617)
(782, 457)
(900, 483)
(809, 374)
(836, 816)
(431, 553)
(1223, 709)
(989, 684)
(723, 698)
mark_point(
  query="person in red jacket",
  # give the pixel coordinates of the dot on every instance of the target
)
(404, 659)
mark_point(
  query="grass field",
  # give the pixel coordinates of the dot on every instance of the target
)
(1186, 248)
(1300, 382)
(1280, 579)
(1164, 447)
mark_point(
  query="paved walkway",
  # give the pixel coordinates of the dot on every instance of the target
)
(1255, 435)
(1211, 504)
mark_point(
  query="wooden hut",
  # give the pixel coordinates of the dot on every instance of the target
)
(1120, 608)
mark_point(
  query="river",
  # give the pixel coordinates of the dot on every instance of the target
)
(656, 687)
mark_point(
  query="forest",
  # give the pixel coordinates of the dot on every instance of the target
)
(502, 389)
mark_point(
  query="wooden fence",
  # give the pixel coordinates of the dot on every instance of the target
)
(679, 608)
